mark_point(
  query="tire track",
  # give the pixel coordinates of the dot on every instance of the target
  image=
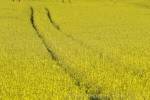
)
(51, 53)
(92, 96)
(51, 20)
(67, 69)
(54, 56)
(57, 27)
(100, 54)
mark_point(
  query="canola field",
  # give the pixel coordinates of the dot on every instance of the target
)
(74, 50)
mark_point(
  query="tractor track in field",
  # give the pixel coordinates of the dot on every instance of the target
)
(80, 42)
(60, 62)
(92, 96)
(51, 53)
(57, 27)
